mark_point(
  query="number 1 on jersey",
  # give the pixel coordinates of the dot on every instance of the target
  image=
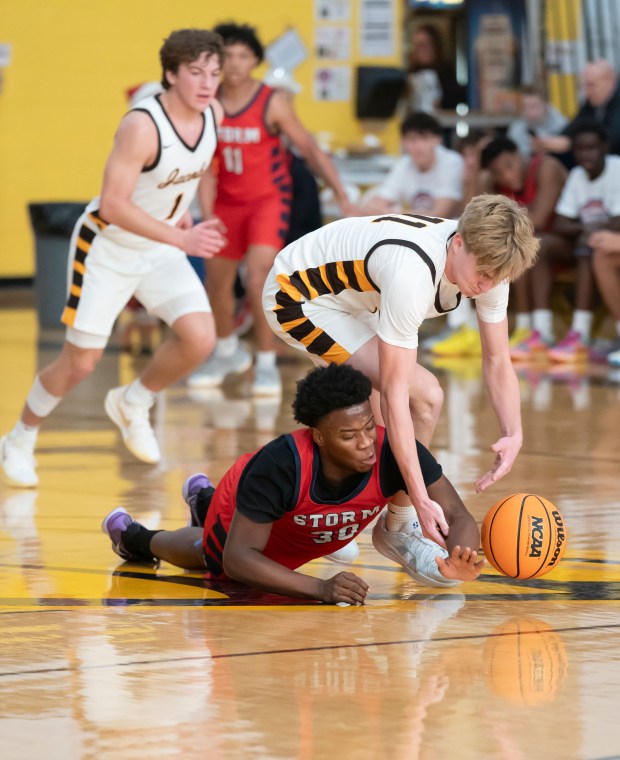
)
(233, 160)
(175, 206)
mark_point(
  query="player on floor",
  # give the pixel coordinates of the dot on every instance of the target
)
(253, 199)
(133, 240)
(357, 291)
(305, 495)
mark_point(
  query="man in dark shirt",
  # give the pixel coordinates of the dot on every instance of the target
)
(303, 496)
(602, 103)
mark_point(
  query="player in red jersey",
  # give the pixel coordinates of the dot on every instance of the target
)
(253, 199)
(536, 183)
(305, 495)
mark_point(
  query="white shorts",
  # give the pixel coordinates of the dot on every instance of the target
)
(102, 279)
(328, 334)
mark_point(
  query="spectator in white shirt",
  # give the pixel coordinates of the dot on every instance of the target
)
(428, 179)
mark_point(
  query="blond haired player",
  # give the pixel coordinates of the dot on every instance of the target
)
(133, 240)
(357, 291)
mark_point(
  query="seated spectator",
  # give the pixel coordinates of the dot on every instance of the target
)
(427, 180)
(606, 262)
(461, 337)
(602, 92)
(590, 201)
(538, 119)
(536, 182)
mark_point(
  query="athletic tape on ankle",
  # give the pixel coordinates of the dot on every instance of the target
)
(39, 401)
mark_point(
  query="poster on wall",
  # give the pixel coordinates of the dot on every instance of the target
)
(496, 46)
(332, 83)
(332, 10)
(377, 21)
(333, 42)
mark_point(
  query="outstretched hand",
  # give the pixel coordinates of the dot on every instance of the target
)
(344, 587)
(506, 450)
(433, 522)
(461, 565)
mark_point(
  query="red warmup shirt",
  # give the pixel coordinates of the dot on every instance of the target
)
(526, 195)
(311, 529)
(252, 161)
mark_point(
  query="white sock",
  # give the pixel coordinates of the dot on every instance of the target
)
(40, 401)
(542, 321)
(399, 517)
(226, 347)
(139, 395)
(265, 359)
(24, 432)
(523, 320)
(582, 323)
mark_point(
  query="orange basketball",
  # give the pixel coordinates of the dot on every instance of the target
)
(523, 536)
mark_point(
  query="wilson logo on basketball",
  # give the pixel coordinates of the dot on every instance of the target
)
(537, 536)
(559, 539)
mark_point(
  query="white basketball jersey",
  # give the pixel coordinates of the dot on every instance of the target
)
(166, 188)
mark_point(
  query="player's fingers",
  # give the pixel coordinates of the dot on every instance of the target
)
(350, 596)
(485, 481)
(349, 580)
(456, 552)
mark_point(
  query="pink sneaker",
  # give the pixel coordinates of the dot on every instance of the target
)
(570, 349)
(530, 349)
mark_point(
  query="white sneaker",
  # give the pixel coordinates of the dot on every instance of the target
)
(267, 382)
(348, 553)
(216, 368)
(17, 462)
(413, 551)
(134, 423)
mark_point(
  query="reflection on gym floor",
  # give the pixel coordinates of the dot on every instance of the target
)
(121, 660)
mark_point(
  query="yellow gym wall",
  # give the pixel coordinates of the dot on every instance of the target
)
(64, 91)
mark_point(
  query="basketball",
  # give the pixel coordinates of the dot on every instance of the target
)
(525, 661)
(523, 536)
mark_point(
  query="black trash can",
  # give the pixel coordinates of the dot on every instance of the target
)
(52, 224)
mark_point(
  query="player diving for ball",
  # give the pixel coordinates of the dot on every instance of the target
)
(305, 495)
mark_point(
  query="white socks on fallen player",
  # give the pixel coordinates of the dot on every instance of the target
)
(401, 519)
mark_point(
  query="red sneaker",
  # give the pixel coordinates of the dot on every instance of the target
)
(530, 349)
(570, 349)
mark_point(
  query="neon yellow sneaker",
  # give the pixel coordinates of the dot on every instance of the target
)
(464, 342)
(519, 335)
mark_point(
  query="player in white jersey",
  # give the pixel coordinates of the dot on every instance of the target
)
(133, 240)
(357, 291)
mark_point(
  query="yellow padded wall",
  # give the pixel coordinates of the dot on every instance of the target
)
(64, 91)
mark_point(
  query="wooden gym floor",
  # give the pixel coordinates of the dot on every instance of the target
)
(106, 660)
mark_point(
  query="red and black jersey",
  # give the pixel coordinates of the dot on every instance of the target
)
(528, 193)
(252, 161)
(311, 528)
